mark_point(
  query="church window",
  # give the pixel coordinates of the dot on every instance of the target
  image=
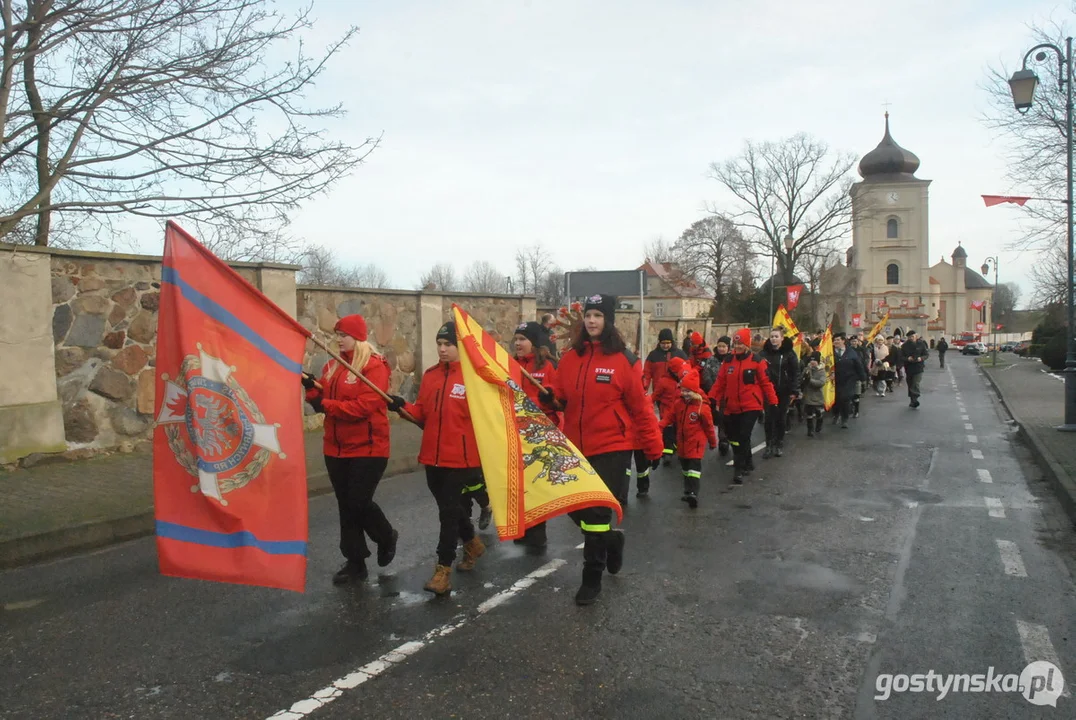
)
(892, 274)
(891, 228)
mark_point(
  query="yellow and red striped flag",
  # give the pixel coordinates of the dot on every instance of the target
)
(783, 320)
(878, 327)
(532, 471)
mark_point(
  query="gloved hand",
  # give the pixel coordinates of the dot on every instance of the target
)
(396, 403)
(308, 380)
(545, 395)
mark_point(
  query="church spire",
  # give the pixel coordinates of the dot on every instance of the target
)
(889, 159)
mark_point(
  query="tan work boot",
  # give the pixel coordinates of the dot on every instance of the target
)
(441, 582)
(472, 550)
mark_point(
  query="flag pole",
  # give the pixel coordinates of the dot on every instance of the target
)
(384, 396)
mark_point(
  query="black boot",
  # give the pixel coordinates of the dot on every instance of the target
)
(737, 477)
(642, 486)
(692, 500)
(387, 551)
(810, 427)
(591, 588)
(818, 424)
(614, 548)
(778, 450)
(723, 448)
(351, 571)
(768, 452)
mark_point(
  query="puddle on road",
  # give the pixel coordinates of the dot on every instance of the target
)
(23, 604)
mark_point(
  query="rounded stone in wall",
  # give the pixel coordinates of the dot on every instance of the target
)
(353, 306)
(144, 327)
(67, 359)
(62, 318)
(405, 362)
(80, 424)
(62, 289)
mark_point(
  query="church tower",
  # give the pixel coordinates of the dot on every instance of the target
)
(890, 239)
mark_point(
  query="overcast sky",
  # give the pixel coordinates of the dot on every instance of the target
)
(589, 126)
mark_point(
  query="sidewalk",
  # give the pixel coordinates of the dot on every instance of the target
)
(58, 508)
(1036, 401)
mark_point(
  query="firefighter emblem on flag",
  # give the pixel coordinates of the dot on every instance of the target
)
(213, 426)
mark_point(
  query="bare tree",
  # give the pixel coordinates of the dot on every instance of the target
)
(814, 262)
(442, 277)
(551, 287)
(1035, 140)
(482, 277)
(708, 253)
(161, 108)
(321, 268)
(1049, 276)
(659, 250)
(795, 185)
(532, 265)
(1006, 298)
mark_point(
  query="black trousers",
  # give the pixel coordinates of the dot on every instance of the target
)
(354, 481)
(740, 427)
(446, 485)
(914, 381)
(776, 417)
(692, 470)
(941, 358)
(475, 492)
(668, 435)
(596, 522)
(642, 475)
(842, 407)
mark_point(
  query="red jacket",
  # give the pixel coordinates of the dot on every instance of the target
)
(545, 376)
(694, 427)
(656, 372)
(743, 385)
(604, 403)
(356, 418)
(441, 409)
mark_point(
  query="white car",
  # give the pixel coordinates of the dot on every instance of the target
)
(974, 348)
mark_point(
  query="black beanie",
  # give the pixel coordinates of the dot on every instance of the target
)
(665, 334)
(534, 332)
(725, 339)
(448, 332)
(605, 304)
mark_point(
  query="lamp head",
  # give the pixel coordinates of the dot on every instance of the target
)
(1022, 85)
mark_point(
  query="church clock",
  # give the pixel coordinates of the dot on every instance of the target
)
(892, 198)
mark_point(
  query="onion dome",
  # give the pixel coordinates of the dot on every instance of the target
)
(888, 159)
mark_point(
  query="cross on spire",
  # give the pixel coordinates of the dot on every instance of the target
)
(886, 105)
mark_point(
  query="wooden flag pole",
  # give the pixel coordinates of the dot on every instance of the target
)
(384, 396)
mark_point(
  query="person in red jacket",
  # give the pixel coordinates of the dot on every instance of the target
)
(356, 446)
(450, 453)
(638, 456)
(598, 389)
(661, 386)
(743, 391)
(536, 354)
(694, 430)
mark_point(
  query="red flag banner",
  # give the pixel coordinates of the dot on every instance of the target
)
(978, 304)
(794, 292)
(229, 465)
(857, 320)
(904, 302)
(998, 327)
(992, 200)
(980, 326)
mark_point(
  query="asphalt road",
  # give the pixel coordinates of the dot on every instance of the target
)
(867, 553)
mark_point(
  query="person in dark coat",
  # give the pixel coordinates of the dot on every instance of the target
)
(784, 370)
(848, 372)
(896, 361)
(942, 347)
(915, 353)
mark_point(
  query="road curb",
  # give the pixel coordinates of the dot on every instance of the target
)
(31, 549)
(1063, 484)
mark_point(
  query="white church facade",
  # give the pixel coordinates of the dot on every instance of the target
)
(888, 266)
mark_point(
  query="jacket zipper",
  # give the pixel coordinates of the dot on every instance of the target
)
(463, 440)
(332, 394)
(583, 395)
(440, 416)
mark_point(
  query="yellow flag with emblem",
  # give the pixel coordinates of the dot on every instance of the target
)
(825, 349)
(532, 471)
(878, 327)
(783, 320)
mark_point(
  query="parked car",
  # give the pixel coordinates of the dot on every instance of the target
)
(1007, 347)
(1021, 348)
(973, 348)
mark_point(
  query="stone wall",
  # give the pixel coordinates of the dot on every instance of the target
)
(78, 340)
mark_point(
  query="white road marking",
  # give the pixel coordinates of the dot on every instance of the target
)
(969, 426)
(994, 506)
(973, 438)
(755, 449)
(964, 417)
(977, 454)
(1055, 377)
(984, 475)
(1010, 558)
(580, 546)
(371, 670)
(1035, 639)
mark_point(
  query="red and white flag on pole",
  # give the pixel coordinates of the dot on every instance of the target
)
(992, 200)
(793, 292)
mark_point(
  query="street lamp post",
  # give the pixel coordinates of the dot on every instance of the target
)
(993, 320)
(789, 241)
(1022, 84)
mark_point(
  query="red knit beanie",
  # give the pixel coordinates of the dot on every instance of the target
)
(743, 336)
(696, 339)
(353, 325)
(691, 382)
(677, 367)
